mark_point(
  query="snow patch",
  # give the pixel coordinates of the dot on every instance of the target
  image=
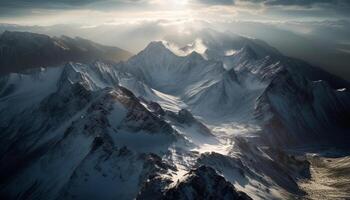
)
(230, 52)
(341, 89)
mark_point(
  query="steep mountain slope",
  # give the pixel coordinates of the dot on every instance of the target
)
(254, 56)
(162, 70)
(204, 183)
(295, 110)
(89, 130)
(71, 121)
(217, 125)
(192, 79)
(295, 103)
(23, 50)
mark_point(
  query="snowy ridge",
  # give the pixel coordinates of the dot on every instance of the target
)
(86, 121)
(219, 123)
(190, 78)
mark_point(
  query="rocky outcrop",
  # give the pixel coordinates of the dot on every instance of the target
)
(204, 183)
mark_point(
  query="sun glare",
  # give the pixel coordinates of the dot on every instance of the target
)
(182, 2)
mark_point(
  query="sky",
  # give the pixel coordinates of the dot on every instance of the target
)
(49, 12)
(317, 31)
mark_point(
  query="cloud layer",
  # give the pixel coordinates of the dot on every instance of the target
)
(271, 8)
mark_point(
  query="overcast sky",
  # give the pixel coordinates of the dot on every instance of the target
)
(48, 12)
(317, 31)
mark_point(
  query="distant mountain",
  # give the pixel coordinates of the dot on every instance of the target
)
(24, 50)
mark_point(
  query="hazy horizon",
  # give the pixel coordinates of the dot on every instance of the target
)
(316, 31)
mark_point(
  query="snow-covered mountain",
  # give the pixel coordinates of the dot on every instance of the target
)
(79, 123)
(296, 111)
(216, 124)
(24, 50)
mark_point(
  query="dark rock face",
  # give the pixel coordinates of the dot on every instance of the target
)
(184, 116)
(205, 183)
(156, 108)
(22, 50)
(155, 181)
(138, 117)
(295, 110)
(298, 166)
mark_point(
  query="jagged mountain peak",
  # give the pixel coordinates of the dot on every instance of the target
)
(155, 54)
(163, 48)
(156, 44)
(157, 47)
(194, 55)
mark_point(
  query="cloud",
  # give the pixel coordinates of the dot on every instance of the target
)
(301, 9)
(44, 3)
(296, 2)
(28, 7)
(95, 12)
(307, 3)
(302, 3)
(217, 2)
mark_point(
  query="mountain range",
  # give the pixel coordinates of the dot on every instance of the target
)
(24, 50)
(165, 123)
